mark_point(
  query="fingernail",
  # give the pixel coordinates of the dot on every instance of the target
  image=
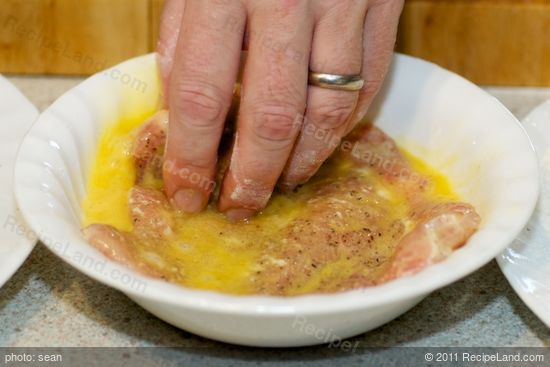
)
(189, 200)
(239, 214)
(287, 186)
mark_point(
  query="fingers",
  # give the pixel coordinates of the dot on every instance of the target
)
(172, 13)
(380, 33)
(201, 88)
(273, 96)
(337, 49)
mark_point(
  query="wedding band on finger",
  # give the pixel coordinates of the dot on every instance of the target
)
(350, 83)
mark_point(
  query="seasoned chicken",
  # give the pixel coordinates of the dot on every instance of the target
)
(367, 217)
(148, 147)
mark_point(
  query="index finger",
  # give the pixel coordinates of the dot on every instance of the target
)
(201, 87)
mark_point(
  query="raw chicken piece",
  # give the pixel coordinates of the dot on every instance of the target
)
(374, 248)
(151, 213)
(152, 221)
(345, 223)
(445, 228)
(148, 148)
(374, 148)
(117, 246)
(357, 230)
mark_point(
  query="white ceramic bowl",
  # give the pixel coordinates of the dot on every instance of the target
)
(449, 122)
(17, 115)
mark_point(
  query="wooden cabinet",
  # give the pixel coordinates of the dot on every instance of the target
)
(499, 42)
(71, 36)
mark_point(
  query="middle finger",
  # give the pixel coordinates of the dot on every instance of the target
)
(273, 100)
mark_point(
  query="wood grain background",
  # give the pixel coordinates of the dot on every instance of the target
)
(498, 42)
(501, 42)
(71, 36)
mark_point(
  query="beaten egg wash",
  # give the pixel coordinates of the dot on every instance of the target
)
(208, 252)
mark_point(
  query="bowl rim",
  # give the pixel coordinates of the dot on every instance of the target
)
(416, 285)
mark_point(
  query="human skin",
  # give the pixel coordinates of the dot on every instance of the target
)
(285, 128)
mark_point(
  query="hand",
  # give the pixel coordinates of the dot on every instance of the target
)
(285, 129)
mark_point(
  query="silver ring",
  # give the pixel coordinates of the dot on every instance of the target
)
(338, 82)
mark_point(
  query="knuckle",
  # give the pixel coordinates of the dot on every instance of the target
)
(179, 167)
(331, 115)
(197, 175)
(201, 104)
(200, 164)
(276, 123)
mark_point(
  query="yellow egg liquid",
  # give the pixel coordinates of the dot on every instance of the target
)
(209, 252)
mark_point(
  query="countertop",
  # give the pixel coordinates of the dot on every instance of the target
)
(48, 303)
